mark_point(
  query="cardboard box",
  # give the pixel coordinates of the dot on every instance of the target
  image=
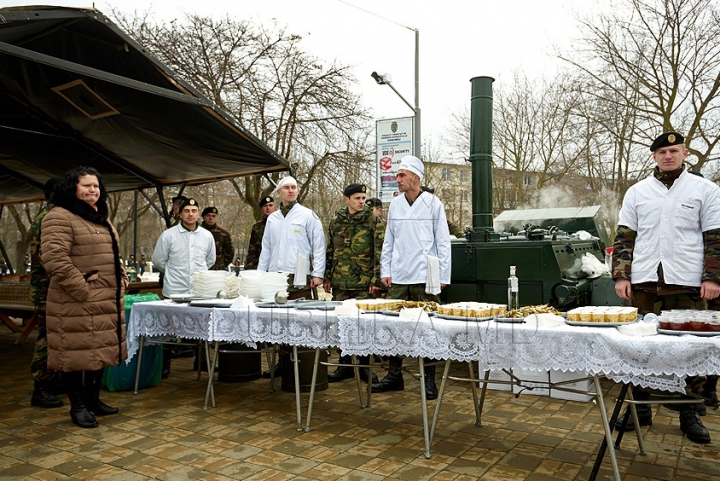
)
(537, 380)
(585, 385)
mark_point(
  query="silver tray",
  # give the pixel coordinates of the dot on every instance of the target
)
(691, 333)
(186, 299)
(397, 313)
(510, 320)
(600, 324)
(463, 318)
(319, 306)
(212, 303)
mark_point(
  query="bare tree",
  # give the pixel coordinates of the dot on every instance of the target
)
(658, 63)
(302, 108)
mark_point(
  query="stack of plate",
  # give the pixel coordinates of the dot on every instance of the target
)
(261, 285)
(207, 284)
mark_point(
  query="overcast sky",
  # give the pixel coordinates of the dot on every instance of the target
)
(459, 39)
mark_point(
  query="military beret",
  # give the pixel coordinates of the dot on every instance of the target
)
(666, 140)
(427, 189)
(187, 202)
(374, 202)
(180, 198)
(266, 200)
(354, 189)
(209, 210)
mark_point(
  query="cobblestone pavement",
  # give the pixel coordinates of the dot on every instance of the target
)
(164, 433)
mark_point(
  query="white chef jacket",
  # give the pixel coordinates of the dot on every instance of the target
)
(300, 233)
(180, 252)
(414, 232)
(669, 225)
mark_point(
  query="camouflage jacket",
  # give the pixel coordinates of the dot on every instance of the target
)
(255, 246)
(455, 229)
(353, 251)
(39, 279)
(224, 251)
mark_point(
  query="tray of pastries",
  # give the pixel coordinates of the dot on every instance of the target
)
(478, 311)
(602, 316)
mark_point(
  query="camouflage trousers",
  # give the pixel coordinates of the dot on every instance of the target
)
(38, 365)
(649, 302)
(411, 292)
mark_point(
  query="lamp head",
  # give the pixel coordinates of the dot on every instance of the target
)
(383, 79)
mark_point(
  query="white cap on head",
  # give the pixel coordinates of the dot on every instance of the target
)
(285, 181)
(413, 164)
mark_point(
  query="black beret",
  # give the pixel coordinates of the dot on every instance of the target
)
(374, 202)
(187, 202)
(180, 198)
(427, 189)
(266, 200)
(666, 140)
(209, 210)
(354, 189)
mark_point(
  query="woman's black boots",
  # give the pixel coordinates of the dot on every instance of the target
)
(92, 394)
(78, 411)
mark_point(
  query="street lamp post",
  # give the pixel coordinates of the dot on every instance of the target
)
(386, 79)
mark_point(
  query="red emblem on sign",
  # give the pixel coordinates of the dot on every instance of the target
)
(385, 163)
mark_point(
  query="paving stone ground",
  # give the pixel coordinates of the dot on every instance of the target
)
(164, 433)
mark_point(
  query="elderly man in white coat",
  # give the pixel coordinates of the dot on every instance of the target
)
(292, 234)
(415, 262)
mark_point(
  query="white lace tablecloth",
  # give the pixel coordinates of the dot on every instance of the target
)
(308, 328)
(658, 362)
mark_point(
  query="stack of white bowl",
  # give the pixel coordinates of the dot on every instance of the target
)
(207, 284)
(261, 285)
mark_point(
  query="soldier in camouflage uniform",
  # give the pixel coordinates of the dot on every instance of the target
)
(39, 282)
(352, 261)
(665, 254)
(224, 251)
(452, 226)
(267, 207)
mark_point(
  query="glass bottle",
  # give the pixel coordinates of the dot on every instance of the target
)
(513, 291)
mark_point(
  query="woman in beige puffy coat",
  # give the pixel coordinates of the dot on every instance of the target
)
(85, 312)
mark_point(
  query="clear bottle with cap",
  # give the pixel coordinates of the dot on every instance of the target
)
(513, 291)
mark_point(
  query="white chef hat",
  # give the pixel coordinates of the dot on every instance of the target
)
(285, 181)
(413, 164)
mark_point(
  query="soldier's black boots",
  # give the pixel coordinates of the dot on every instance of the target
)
(93, 380)
(348, 372)
(43, 398)
(691, 425)
(394, 379)
(644, 414)
(431, 390)
(78, 412)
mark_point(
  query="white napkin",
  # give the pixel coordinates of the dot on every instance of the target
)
(301, 266)
(432, 285)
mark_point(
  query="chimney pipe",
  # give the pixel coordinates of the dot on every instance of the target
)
(481, 105)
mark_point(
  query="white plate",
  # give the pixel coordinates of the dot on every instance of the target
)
(691, 333)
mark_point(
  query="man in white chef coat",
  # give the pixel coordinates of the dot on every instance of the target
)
(184, 249)
(665, 254)
(294, 243)
(181, 250)
(415, 262)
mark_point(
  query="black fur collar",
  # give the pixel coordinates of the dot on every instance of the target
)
(82, 209)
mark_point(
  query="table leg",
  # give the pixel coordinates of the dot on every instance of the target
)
(210, 392)
(297, 387)
(358, 384)
(438, 403)
(423, 399)
(9, 322)
(32, 323)
(139, 363)
(312, 388)
(607, 442)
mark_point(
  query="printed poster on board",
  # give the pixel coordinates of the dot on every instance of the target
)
(394, 140)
